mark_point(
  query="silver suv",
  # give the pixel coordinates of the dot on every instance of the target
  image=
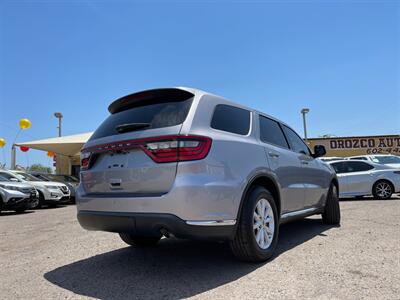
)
(182, 162)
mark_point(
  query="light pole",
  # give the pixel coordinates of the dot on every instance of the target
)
(59, 116)
(304, 111)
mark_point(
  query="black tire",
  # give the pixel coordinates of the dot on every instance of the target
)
(331, 214)
(40, 202)
(244, 245)
(139, 241)
(377, 194)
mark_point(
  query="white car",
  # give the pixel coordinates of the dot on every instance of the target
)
(16, 195)
(384, 159)
(361, 178)
(51, 193)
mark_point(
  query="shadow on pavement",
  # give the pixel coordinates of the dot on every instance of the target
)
(174, 269)
(395, 197)
(14, 213)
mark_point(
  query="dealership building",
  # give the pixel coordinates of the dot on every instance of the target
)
(67, 148)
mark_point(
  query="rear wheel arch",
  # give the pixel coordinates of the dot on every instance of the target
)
(266, 182)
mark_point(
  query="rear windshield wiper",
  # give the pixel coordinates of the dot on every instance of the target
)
(131, 127)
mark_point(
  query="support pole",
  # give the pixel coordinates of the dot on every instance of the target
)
(13, 157)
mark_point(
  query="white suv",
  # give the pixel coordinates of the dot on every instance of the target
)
(50, 192)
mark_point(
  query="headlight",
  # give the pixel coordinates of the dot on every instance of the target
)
(9, 187)
(52, 187)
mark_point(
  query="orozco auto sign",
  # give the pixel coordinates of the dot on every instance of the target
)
(348, 146)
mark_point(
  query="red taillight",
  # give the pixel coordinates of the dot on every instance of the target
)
(181, 148)
(160, 149)
(85, 159)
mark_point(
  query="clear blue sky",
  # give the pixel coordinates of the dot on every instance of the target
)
(342, 60)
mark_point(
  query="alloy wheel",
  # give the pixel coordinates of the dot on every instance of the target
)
(263, 223)
(383, 190)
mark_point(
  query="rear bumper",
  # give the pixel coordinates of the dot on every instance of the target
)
(151, 224)
(191, 198)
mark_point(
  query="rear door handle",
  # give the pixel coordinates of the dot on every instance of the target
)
(273, 154)
(304, 162)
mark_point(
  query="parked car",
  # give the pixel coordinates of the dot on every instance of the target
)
(384, 159)
(70, 181)
(50, 193)
(362, 178)
(17, 196)
(185, 163)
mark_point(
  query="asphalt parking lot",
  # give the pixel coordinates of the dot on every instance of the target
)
(46, 255)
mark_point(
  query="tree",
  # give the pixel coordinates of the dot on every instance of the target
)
(39, 168)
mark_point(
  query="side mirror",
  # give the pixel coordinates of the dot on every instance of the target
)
(319, 150)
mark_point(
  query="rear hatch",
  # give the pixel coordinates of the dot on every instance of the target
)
(131, 153)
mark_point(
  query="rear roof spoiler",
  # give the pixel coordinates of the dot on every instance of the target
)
(154, 96)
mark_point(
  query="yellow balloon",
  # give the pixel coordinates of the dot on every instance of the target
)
(2, 142)
(24, 123)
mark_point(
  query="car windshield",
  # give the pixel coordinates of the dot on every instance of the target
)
(27, 177)
(386, 159)
(64, 178)
(42, 177)
(2, 178)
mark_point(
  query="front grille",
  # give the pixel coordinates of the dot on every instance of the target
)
(64, 189)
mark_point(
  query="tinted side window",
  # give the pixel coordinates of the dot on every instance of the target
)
(295, 142)
(358, 166)
(271, 132)
(339, 167)
(231, 119)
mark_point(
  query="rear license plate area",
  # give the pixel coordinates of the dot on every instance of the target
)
(116, 160)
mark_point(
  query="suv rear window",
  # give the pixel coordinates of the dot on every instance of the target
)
(231, 119)
(157, 115)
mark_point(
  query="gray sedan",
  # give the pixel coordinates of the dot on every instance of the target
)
(359, 178)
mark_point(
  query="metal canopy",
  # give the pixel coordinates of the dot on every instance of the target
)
(69, 145)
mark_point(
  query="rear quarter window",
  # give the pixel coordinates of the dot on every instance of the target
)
(231, 119)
